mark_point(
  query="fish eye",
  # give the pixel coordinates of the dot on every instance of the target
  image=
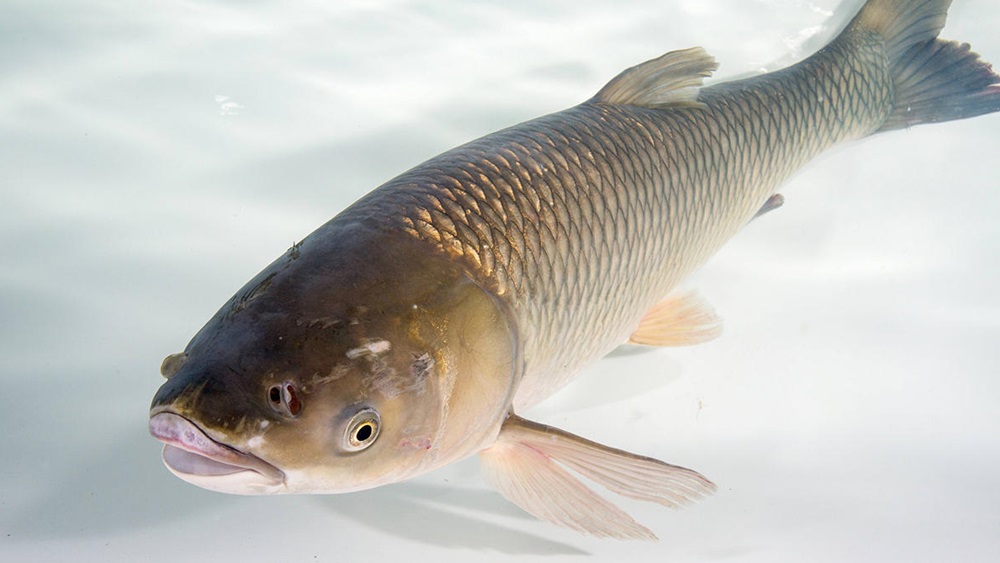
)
(362, 430)
(284, 398)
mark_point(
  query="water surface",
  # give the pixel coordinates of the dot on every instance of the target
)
(154, 156)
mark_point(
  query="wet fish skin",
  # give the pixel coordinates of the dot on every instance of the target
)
(476, 284)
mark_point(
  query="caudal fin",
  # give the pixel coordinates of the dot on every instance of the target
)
(933, 79)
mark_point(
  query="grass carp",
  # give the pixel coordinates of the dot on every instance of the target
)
(408, 331)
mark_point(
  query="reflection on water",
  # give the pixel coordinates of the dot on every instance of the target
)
(154, 156)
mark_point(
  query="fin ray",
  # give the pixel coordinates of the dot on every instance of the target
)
(531, 480)
(624, 473)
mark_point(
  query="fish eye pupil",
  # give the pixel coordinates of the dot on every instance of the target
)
(364, 432)
(274, 394)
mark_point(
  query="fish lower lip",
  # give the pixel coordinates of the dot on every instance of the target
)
(189, 451)
(193, 463)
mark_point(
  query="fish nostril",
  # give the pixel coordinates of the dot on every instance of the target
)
(274, 395)
(291, 399)
(285, 399)
(172, 363)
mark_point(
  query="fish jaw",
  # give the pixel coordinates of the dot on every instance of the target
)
(190, 454)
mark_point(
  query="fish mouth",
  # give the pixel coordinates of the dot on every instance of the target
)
(190, 454)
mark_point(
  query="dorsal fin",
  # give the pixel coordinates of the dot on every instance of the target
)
(671, 80)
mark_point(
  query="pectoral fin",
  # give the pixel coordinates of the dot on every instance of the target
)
(528, 463)
(678, 320)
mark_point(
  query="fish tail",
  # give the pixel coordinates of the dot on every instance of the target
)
(933, 79)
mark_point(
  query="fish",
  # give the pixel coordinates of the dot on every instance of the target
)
(409, 331)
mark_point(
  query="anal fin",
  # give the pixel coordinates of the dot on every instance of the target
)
(678, 320)
(772, 203)
(528, 466)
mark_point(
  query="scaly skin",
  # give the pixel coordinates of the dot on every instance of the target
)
(581, 220)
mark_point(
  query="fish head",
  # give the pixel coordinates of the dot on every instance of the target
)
(331, 373)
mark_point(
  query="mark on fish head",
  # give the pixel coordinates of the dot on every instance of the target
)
(244, 299)
(382, 376)
(295, 251)
(374, 348)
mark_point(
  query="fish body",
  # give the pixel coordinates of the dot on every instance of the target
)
(408, 331)
(582, 220)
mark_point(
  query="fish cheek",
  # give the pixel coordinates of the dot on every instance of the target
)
(346, 448)
(404, 396)
(373, 418)
(407, 397)
(306, 445)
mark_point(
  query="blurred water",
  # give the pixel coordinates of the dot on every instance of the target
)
(154, 156)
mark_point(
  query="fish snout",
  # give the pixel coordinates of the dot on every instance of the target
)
(192, 455)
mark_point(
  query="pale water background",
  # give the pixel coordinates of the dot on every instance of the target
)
(155, 155)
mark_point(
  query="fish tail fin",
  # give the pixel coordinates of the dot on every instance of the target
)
(933, 79)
